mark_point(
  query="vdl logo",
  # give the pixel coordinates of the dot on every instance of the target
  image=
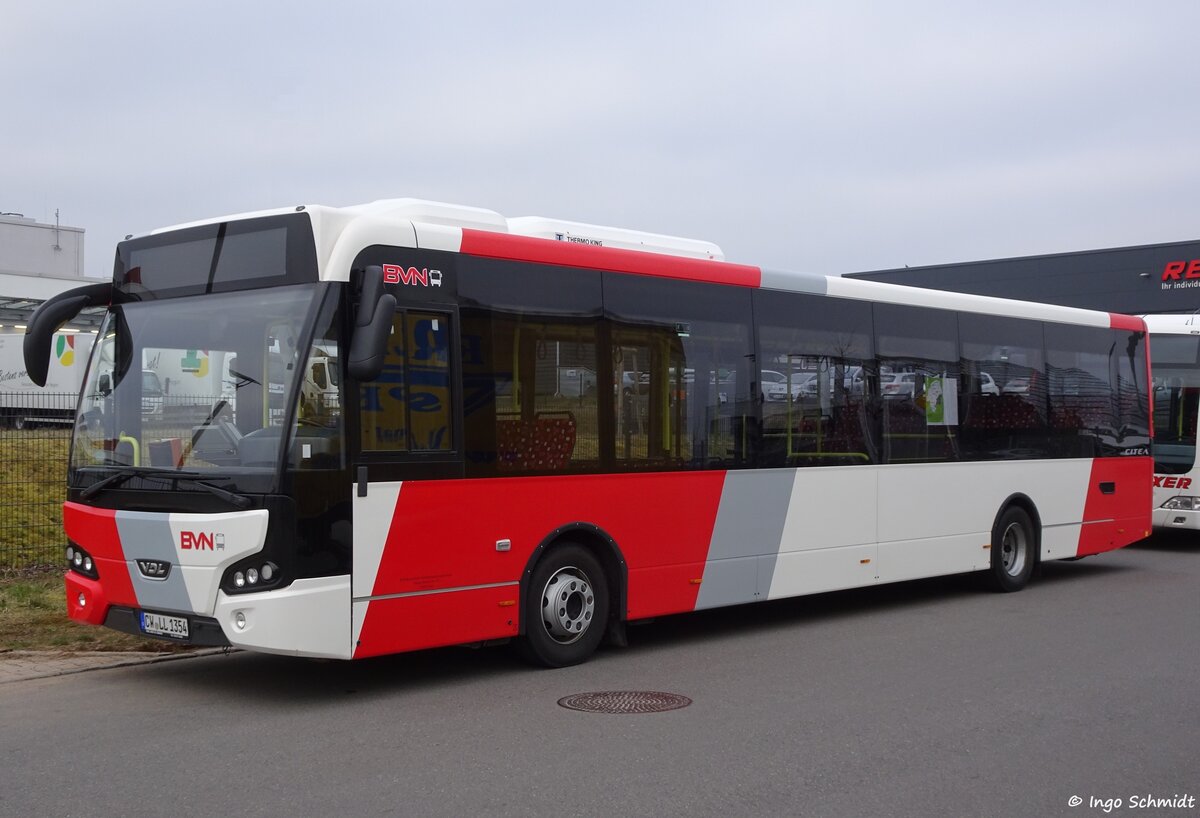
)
(201, 541)
(399, 274)
(154, 569)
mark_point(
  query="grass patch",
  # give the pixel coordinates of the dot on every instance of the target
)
(33, 616)
(33, 486)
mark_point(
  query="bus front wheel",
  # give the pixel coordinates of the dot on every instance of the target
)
(566, 608)
(1014, 550)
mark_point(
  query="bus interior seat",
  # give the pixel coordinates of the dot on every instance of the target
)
(544, 443)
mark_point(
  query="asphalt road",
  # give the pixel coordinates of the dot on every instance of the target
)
(926, 698)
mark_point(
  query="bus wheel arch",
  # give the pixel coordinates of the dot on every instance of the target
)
(1016, 544)
(575, 551)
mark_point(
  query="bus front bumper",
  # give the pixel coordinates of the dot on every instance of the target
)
(1186, 519)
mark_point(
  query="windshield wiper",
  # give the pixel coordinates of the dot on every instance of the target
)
(121, 476)
(238, 500)
(195, 478)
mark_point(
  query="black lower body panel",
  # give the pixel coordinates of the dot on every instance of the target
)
(202, 630)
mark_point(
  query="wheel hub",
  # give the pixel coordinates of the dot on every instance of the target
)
(568, 605)
(1013, 551)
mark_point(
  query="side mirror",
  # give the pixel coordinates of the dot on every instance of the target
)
(372, 326)
(104, 384)
(51, 315)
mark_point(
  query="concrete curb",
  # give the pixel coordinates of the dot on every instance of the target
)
(23, 665)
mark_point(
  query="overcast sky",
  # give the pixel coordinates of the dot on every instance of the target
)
(826, 137)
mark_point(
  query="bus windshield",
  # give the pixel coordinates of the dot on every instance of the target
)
(199, 383)
(1176, 367)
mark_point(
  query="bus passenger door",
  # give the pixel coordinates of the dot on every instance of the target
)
(408, 424)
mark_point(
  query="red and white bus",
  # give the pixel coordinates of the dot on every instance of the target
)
(1153, 280)
(539, 430)
(1175, 364)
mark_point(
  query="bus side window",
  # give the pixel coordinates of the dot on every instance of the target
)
(918, 348)
(408, 407)
(428, 386)
(317, 437)
(1084, 418)
(683, 360)
(816, 368)
(382, 412)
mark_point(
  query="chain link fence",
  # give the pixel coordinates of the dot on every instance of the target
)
(35, 437)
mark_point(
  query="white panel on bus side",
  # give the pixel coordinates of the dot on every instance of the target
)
(1060, 541)
(830, 533)
(943, 499)
(821, 570)
(936, 518)
(372, 519)
(932, 557)
(358, 615)
(832, 506)
(310, 617)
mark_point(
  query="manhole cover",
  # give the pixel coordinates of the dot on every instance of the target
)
(624, 701)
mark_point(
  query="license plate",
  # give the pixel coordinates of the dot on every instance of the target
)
(162, 625)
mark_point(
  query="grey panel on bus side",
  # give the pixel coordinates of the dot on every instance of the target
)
(746, 537)
(795, 282)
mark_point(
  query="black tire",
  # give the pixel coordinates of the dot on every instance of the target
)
(21, 423)
(1014, 551)
(570, 631)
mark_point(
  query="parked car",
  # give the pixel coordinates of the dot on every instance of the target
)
(899, 385)
(775, 385)
(1017, 386)
(987, 384)
(852, 381)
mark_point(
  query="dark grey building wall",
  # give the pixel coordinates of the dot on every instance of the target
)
(1122, 279)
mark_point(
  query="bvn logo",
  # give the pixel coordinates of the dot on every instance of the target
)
(398, 274)
(201, 541)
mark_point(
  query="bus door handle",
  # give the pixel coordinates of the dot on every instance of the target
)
(362, 481)
(1108, 488)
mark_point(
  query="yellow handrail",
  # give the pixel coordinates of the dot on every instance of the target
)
(133, 444)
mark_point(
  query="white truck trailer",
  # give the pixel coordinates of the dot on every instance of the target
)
(23, 403)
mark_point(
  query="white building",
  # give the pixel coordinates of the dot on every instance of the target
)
(37, 261)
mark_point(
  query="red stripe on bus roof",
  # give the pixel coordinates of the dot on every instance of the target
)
(1129, 322)
(545, 251)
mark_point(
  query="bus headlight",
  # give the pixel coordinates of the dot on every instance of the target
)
(81, 562)
(1183, 504)
(253, 574)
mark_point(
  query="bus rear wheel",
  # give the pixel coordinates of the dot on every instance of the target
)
(566, 608)
(1014, 550)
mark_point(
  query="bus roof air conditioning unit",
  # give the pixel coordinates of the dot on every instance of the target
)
(600, 236)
